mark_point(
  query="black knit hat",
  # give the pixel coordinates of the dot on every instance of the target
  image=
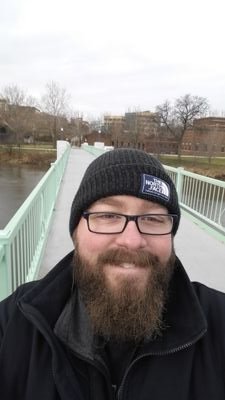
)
(125, 172)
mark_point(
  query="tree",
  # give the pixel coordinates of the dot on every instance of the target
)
(164, 112)
(187, 108)
(178, 118)
(55, 102)
(18, 111)
(165, 123)
(14, 95)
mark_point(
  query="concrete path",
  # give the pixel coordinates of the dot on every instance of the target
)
(202, 255)
(59, 242)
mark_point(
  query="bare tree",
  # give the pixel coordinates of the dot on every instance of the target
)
(17, 109)
(179, 117)
(55, 102)
(186, 109)
(165, 123)
(164, 113)
(14, 95)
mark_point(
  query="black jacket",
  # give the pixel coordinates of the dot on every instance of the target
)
(186, 363)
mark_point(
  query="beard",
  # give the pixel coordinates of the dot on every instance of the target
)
(125, 311)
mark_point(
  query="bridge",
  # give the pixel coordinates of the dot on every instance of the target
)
(199, 243)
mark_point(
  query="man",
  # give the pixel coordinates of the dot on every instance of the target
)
(118, 318)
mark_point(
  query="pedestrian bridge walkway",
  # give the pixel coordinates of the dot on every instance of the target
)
(202, 254)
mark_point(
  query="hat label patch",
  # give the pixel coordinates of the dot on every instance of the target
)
(155, 186)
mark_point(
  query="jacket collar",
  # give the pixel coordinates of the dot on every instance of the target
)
(184, 316)
(48, 296)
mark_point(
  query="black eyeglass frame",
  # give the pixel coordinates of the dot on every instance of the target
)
(129, 218)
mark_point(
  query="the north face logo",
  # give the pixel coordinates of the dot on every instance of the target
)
(155, 186)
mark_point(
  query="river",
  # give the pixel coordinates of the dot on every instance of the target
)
(16, 183)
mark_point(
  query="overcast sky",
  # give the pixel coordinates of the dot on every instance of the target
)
(113, 56)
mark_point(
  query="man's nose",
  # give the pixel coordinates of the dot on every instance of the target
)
(131, 237)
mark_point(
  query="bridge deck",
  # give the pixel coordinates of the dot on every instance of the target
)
(202, 255)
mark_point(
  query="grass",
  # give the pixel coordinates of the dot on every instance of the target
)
(27, 155)
(44, 154)
(200, 165)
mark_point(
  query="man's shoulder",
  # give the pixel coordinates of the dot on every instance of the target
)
(56, 284)
(38, 285)
(212, 303)
(11, 301)
(24, 288)
(8, 306)
(212, 300)
(205, 291)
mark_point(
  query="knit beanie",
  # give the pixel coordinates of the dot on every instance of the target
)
(125, 172)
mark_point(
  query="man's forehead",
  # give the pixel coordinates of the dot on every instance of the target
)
(123, 200)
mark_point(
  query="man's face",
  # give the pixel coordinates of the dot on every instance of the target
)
(124, 277)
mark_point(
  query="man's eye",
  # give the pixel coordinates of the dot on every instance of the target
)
(107, 217)
(154, 219)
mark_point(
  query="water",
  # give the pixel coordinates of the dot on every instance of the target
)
(16, 183)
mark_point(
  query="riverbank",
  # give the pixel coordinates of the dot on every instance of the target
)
(214, 168)
(36, 156)
(44, 155)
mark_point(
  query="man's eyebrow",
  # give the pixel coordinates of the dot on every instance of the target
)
(109, 201)
(116, 202)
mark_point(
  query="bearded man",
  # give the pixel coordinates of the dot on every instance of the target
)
(118, 318)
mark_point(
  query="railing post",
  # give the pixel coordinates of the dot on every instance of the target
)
(5, 272)
(179, 182)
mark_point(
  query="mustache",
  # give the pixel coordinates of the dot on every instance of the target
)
(140, 258)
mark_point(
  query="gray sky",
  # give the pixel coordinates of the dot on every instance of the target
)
(112, 56)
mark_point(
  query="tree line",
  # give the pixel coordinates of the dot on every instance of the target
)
(55, 102)
(172, 118)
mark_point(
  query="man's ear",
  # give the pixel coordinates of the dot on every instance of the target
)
(74, 236)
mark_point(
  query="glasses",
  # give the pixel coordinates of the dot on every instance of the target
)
(148, 224)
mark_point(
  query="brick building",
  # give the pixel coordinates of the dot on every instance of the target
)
(206, 138)
(139, 129)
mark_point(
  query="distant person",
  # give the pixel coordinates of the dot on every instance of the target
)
(118, 318)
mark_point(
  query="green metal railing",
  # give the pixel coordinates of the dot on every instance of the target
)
(201, 196)
(23, 239)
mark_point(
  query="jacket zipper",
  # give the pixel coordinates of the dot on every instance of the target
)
(104, 371)
(172, 351)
